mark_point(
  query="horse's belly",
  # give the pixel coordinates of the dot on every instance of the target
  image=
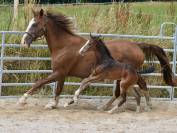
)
(84, 66)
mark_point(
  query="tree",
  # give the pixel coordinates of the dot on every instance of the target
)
(16, 3)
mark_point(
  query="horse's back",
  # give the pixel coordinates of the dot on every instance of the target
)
(122, 51)
(127, 52)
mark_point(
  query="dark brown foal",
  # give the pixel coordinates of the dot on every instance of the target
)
(107, 68)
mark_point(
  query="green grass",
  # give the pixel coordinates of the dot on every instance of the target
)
(133, 18)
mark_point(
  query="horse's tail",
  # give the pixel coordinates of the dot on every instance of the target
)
(150, 52)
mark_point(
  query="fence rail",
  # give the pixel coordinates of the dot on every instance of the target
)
(5, 58)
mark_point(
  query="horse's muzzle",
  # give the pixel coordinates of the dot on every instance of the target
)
(26, 41)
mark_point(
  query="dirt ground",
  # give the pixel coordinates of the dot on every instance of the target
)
(85, 118)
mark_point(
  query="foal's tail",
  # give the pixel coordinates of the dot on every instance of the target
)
(150, 52)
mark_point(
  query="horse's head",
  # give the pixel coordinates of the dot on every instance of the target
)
(35, 29)
(90, 45)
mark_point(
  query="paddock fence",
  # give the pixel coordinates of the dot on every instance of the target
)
(5, 45)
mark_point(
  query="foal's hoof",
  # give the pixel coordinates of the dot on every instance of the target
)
(110, 112)
(113, 110)
(102, 108)
(66, 105)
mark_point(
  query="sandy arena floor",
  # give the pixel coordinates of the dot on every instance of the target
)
(85, 118)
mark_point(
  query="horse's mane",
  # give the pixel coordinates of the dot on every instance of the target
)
(61, 21)
(102, 47)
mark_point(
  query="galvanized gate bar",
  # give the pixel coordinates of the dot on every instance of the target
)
(2, 58)
(174, 60)
(1, 67)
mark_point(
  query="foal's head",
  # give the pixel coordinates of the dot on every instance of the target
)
(91, 44)
(35, 29)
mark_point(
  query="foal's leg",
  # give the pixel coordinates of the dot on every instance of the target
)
(54, 102)
(123, 93)
(51, 78)
(116, 94)
(84, 84)
(145, 91)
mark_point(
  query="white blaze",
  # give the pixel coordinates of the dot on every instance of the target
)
(30, 24)
(83, 47)
(32, 21)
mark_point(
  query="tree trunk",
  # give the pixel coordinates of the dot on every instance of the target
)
(16, 3)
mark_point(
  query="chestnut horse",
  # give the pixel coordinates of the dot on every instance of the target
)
(107, 68)
(66, 61)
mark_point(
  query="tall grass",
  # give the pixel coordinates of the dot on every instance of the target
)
(144, 19)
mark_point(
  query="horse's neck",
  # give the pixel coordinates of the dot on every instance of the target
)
(60, 40)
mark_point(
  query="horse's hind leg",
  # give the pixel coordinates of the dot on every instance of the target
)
(122, 98)
(116, 94)
(145, 91)
(138, 99)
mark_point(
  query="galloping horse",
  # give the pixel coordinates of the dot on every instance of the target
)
(66, 61)
(107, 68)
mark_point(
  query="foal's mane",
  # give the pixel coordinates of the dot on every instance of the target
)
(102, 47)
(61, 21)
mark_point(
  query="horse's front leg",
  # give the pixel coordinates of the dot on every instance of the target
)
(84, 84)
(53, 104)
(51, 78)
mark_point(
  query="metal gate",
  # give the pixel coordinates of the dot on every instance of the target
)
(3, 58)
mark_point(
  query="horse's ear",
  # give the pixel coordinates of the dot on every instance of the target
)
(41, 13)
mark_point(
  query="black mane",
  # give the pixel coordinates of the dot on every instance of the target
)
(101, 47)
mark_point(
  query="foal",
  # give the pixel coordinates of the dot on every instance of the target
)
(107, 68)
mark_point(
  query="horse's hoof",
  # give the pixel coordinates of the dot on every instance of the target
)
(20, 105)
(22, 102)
(50, 106)
(66, 105)
(138, 109)
(148, 108)
(110, 112)
(102, 108)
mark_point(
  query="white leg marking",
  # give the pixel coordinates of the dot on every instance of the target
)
(53, 103)
(66, 105)
(75, 98)
(22, 100)
(138, 109)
